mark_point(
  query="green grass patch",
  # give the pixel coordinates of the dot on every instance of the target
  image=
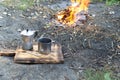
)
(111, 2)
(108, 2)
(98, 75)
(19, 4)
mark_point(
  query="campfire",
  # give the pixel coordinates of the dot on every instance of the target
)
(74, 14)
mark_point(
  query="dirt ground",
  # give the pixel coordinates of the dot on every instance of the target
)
(96, 44)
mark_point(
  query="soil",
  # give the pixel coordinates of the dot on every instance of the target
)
(96, 44)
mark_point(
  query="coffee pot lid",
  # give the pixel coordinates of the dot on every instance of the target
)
(27, 32)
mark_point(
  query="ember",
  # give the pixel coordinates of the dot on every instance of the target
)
(74, 13)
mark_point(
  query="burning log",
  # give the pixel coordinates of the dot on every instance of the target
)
(62, 17)
(76, 13)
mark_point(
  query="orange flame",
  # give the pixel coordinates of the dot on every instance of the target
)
(76, 7)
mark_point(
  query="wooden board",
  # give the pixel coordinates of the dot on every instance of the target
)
(55, 56)
(7, 52)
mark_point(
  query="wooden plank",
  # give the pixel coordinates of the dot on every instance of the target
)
(7, 52)
(55, 56)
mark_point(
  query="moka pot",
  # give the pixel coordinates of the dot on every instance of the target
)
(27, 39)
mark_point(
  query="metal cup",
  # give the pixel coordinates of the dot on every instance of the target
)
(44, 45)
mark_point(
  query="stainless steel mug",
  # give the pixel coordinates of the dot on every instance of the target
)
(44, 45)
